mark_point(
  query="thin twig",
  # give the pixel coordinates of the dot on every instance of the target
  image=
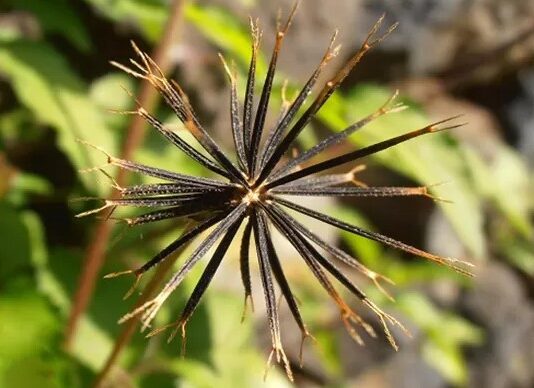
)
(96, 249)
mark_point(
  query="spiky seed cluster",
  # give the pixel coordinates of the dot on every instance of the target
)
(249, 192)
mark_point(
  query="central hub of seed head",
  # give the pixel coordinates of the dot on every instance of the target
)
(250, 193)
(251, 196)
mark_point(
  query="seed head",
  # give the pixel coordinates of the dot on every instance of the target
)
(249, 190)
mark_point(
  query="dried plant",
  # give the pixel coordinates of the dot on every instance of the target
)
(251, 189)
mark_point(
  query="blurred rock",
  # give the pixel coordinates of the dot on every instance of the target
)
(441, 237)
(377, 365)
(438, 34)
(481, 132)
(498, 303)
(521, 115)
(310, 32)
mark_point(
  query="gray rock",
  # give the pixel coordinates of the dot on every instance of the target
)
(498, 302)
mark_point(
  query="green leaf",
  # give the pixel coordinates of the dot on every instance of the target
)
(224, 30)
(233, 362)
(445, 334)
(28, 324)
(108, 94)
(506, 182)
(44, 83)
(47, 283)
(42, 372)
(91, 345)
(14, 240)
(98, 327)
(518, 251)
(23, 186)
(447, 360)
(29, 355)
(56, 274)
(13, 121)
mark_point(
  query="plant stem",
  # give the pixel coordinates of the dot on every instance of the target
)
(96, 250)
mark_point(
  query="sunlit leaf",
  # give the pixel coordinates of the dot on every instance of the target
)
(506, 183)
(44, 82)
(56, 274)
(29, 354)
(234, 362)
(225, 30)
(148, 15)
(108, 93)
(517, 250)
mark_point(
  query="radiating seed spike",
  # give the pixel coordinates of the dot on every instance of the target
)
(93, 211)
(144, 57)
(355, 155)
(160, 330)
(137, 311)
(86, 143)
(127, 70)
(259, 120)
(291, 16)
(141, 68)
(133, 287)
(114, 182)
(206, 277)
(116, 274)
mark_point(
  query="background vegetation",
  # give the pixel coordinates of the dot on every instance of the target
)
(56, 86)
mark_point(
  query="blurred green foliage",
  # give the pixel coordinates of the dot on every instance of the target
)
(38, 278)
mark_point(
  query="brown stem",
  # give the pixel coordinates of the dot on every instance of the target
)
(129, 327)
(96, 249)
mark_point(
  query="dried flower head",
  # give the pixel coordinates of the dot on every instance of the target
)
(253, 191)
